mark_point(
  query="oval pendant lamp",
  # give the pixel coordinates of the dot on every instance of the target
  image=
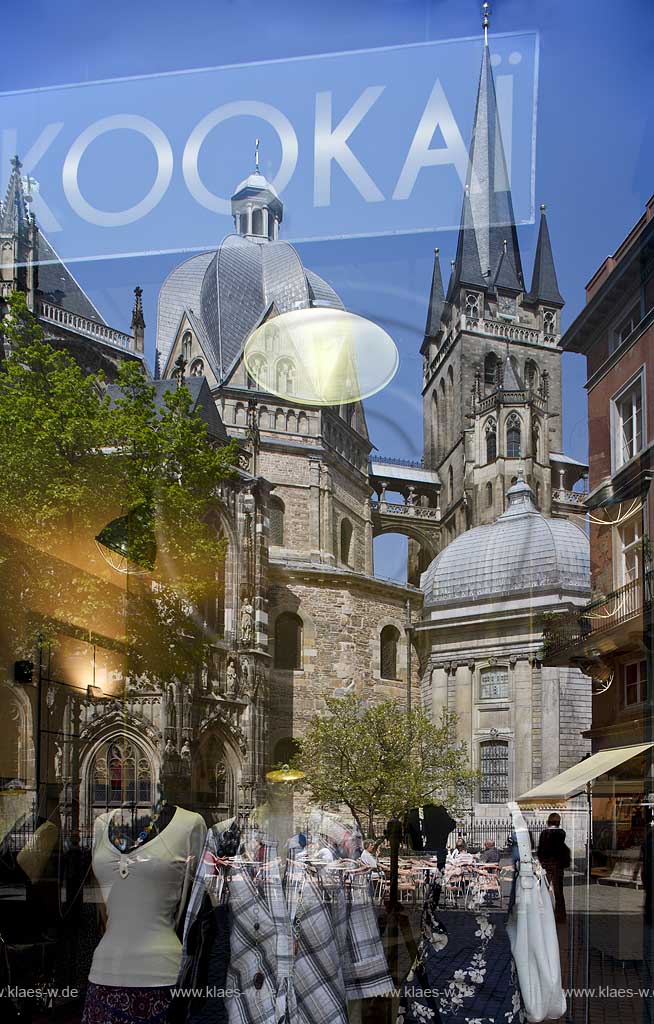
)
(321, 356)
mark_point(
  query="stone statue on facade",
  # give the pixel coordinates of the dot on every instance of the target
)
(247, 621)
(232, 678)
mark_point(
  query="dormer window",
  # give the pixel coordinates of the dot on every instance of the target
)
(472, 304)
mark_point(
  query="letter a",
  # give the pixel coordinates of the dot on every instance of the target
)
(437, 114)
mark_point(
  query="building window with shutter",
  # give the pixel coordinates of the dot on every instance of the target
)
(634, 683)
(628, 432)
(494, 767)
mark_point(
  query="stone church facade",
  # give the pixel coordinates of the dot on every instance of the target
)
(298, 612)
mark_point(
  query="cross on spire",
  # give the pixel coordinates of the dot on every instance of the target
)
(485, 7)
(256, 154)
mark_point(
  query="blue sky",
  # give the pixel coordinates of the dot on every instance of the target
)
(594, 146)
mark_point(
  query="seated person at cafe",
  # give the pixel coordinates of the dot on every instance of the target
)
(490, 854)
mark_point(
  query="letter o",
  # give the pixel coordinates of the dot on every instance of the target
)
(238, 108)
(132, 122)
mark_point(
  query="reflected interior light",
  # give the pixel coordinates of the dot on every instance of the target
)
(321, 356)
(285, 774)
(128, 543)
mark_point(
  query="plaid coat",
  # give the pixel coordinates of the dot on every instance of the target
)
(299, 949)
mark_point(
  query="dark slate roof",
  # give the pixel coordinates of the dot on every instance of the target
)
(436, 300)
(14, 214)
(487, 218)
(202, 401)
(229, 292)
(544, 285)
(57, 284)
(510, 378)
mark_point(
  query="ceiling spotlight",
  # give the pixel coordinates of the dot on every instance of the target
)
(128, 543)
(321, 356)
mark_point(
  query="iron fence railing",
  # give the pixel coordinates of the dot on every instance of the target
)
(599, 616)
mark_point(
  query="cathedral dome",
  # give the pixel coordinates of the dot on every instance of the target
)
(231, 289)
(521, 552)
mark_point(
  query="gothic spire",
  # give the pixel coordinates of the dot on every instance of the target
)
(544, 286)
(14, 214)
(487, 218)
(436, 300)
(137, 311)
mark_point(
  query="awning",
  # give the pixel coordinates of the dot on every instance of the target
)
(573, 781)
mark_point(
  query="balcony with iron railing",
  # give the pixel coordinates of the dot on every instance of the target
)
(604, 626)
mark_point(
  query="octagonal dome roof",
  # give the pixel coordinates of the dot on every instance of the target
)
(521, 552)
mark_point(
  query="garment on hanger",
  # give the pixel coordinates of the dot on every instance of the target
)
(463, 971)
(144, 890)
(299, 947)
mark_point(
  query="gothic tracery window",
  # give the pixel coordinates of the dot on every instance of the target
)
(549, 321)
(472, 304)
(285, 377)
(121, 774)
(513, 433)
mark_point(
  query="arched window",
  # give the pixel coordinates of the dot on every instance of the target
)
(121, 773)
(288, 641)
(240, 416)
(346, 540)
(489, 495)
(513, 437)
(257, 222)
(532, 376)
(276, 521)
(490, 369)
(187, 342)
(264, 419)
(285, 750)
(491, 440)
(389, 639)
(197, 368)
(280, 420)
(285, 377)
(290, 422)
(303, 423)
(450, 484)
(494, 766)
(259, 370)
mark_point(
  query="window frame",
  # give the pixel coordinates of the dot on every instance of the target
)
(500, 795)
(618, 462)
(634, 306)
(487, 669)
(513, 422)
(298, 661)
(396, 640)
(640, 683)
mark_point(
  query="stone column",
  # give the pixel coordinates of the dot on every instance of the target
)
(522, 745)
(438, 692)
(249, 220)
(264, 217)
(327, 528)
(314, 509)
(550, 727)
(463, 679)
(368, 555)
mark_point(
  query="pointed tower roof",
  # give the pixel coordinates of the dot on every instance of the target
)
(15, 214)
(487, 218)
(436, 301)
(544, 286)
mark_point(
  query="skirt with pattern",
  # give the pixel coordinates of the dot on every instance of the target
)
(109, 1004)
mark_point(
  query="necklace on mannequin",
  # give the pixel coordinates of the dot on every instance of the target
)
(122, 841)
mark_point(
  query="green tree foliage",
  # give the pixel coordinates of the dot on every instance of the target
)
(72, 460)
(380, 761)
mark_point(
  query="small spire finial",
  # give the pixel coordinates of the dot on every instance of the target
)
(436, 251)
(256, 154)
(505, 246)
(16, 164)
(542, 207)
(485, 8)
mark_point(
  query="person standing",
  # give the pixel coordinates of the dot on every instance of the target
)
(554, 855)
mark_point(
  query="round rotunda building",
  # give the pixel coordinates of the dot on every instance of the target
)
(485, 596)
